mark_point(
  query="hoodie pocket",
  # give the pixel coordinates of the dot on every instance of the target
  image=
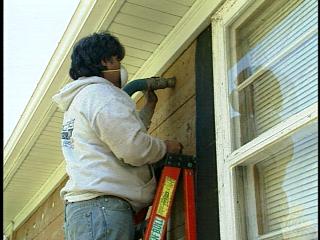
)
(148, 190)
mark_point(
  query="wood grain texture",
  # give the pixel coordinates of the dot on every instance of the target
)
(174, 118)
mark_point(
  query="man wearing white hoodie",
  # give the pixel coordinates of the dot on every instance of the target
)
(107, 149)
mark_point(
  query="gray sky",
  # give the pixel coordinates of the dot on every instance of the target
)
(32, 30)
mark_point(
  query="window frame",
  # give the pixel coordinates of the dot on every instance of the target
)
(232, 181)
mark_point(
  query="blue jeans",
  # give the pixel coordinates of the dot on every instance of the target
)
(100, 218)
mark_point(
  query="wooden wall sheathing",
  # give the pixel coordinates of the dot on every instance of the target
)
(174, 118)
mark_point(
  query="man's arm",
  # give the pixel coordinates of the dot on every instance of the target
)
(117, 125)
(147, 111)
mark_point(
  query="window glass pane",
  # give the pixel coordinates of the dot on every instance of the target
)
(276, 74)
(270, 32)
(288, 187)
(287, 88)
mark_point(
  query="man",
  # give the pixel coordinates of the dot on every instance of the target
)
(107, 150)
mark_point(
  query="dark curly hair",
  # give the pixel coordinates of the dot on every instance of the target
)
(89, 51)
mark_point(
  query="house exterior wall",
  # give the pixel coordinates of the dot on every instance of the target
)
(174, 118)
(46, 222)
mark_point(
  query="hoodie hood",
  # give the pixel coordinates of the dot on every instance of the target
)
(66, 95)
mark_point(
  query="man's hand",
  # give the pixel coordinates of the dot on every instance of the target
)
(151, 98)
(173, 146)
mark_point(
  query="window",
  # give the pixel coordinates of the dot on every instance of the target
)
(265, 69)
(287, 185)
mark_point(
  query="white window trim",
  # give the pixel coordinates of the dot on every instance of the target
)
(232, 219)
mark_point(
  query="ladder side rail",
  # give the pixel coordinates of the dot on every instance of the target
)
(162, 204)
(189, 204)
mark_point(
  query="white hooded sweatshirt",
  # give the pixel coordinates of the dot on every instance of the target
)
(105, 144)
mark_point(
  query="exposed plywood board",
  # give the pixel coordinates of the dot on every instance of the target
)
(171, 99)
(180, 127)
(55, 228)
(174, 118)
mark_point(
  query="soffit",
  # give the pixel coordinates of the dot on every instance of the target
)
(142, 25)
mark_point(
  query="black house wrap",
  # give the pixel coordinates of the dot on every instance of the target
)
(207, 205)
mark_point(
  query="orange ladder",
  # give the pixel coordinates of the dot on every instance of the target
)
(162, 203)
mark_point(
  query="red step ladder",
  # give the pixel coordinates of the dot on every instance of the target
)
(162, 203)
